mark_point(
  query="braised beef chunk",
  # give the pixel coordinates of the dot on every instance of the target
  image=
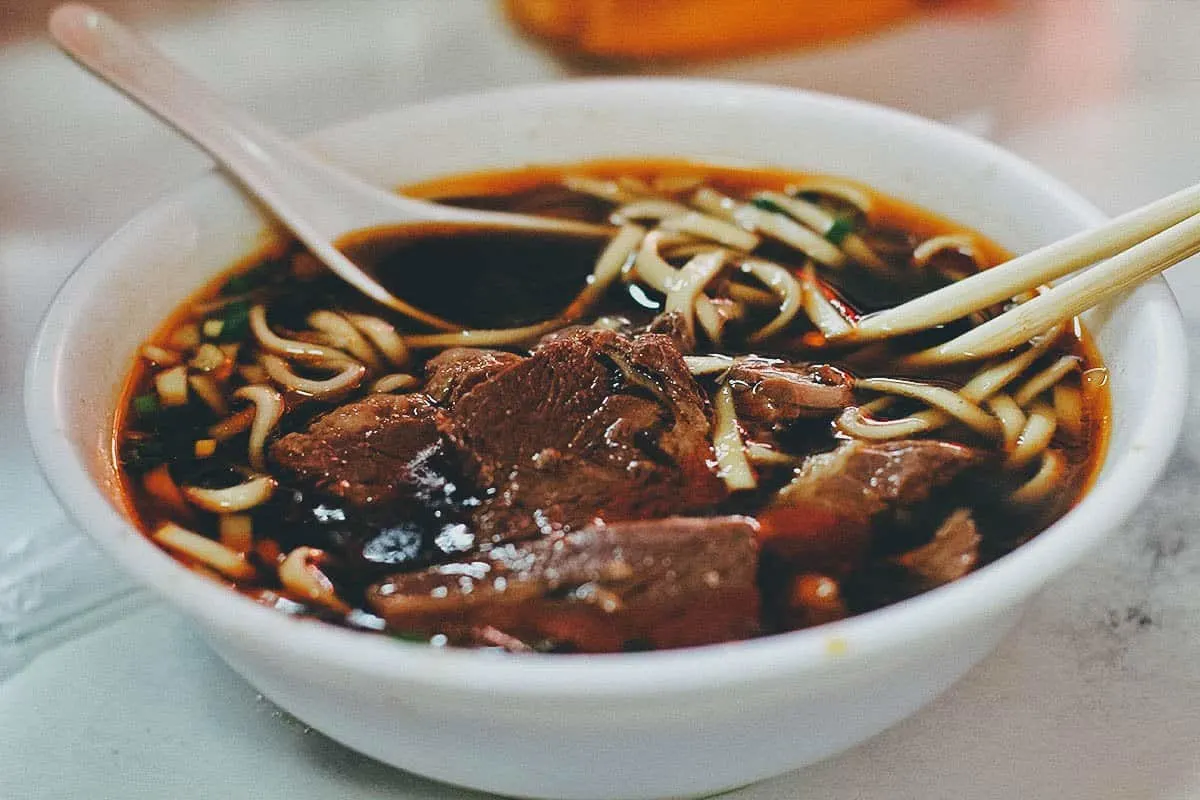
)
(454, 372)
(369, 484)
(673, 582)
(859, 479)
(951, 554)
(595, 425)
(616, 324)
(823, 519)
(673, 325)
(363, 452)
(774, 392)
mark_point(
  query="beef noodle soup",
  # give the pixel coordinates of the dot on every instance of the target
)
(648, 442)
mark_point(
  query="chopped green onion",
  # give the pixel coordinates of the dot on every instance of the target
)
(235, 319)
(840, 229)
(145, 405)
(410, 636)
(768, 205)
(238, 284)
(842, 226)
(811, 197)
(247, 281)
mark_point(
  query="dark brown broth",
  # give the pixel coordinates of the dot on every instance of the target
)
(475, 276)
(485, 280)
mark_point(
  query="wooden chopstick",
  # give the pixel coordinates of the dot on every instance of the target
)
(1027, 272)
(1120, 272)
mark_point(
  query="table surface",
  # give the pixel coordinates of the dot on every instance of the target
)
(105, 692)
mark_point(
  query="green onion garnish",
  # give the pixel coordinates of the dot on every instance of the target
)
(767, 205)
(145, 405)
(235, 319)
(238, 284)
(410, 636)
(247, 281)
(840, 229)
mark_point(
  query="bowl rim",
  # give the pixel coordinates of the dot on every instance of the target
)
(849, 643)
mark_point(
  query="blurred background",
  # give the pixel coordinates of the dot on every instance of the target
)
(1093, 696)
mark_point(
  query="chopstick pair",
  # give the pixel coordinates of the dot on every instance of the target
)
(1137, 246)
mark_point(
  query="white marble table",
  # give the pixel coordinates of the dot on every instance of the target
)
(105, 693)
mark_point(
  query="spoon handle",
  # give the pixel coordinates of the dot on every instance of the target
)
(256, 155)
(315, 201)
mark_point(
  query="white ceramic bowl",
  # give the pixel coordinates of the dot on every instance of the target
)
(622, 726)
